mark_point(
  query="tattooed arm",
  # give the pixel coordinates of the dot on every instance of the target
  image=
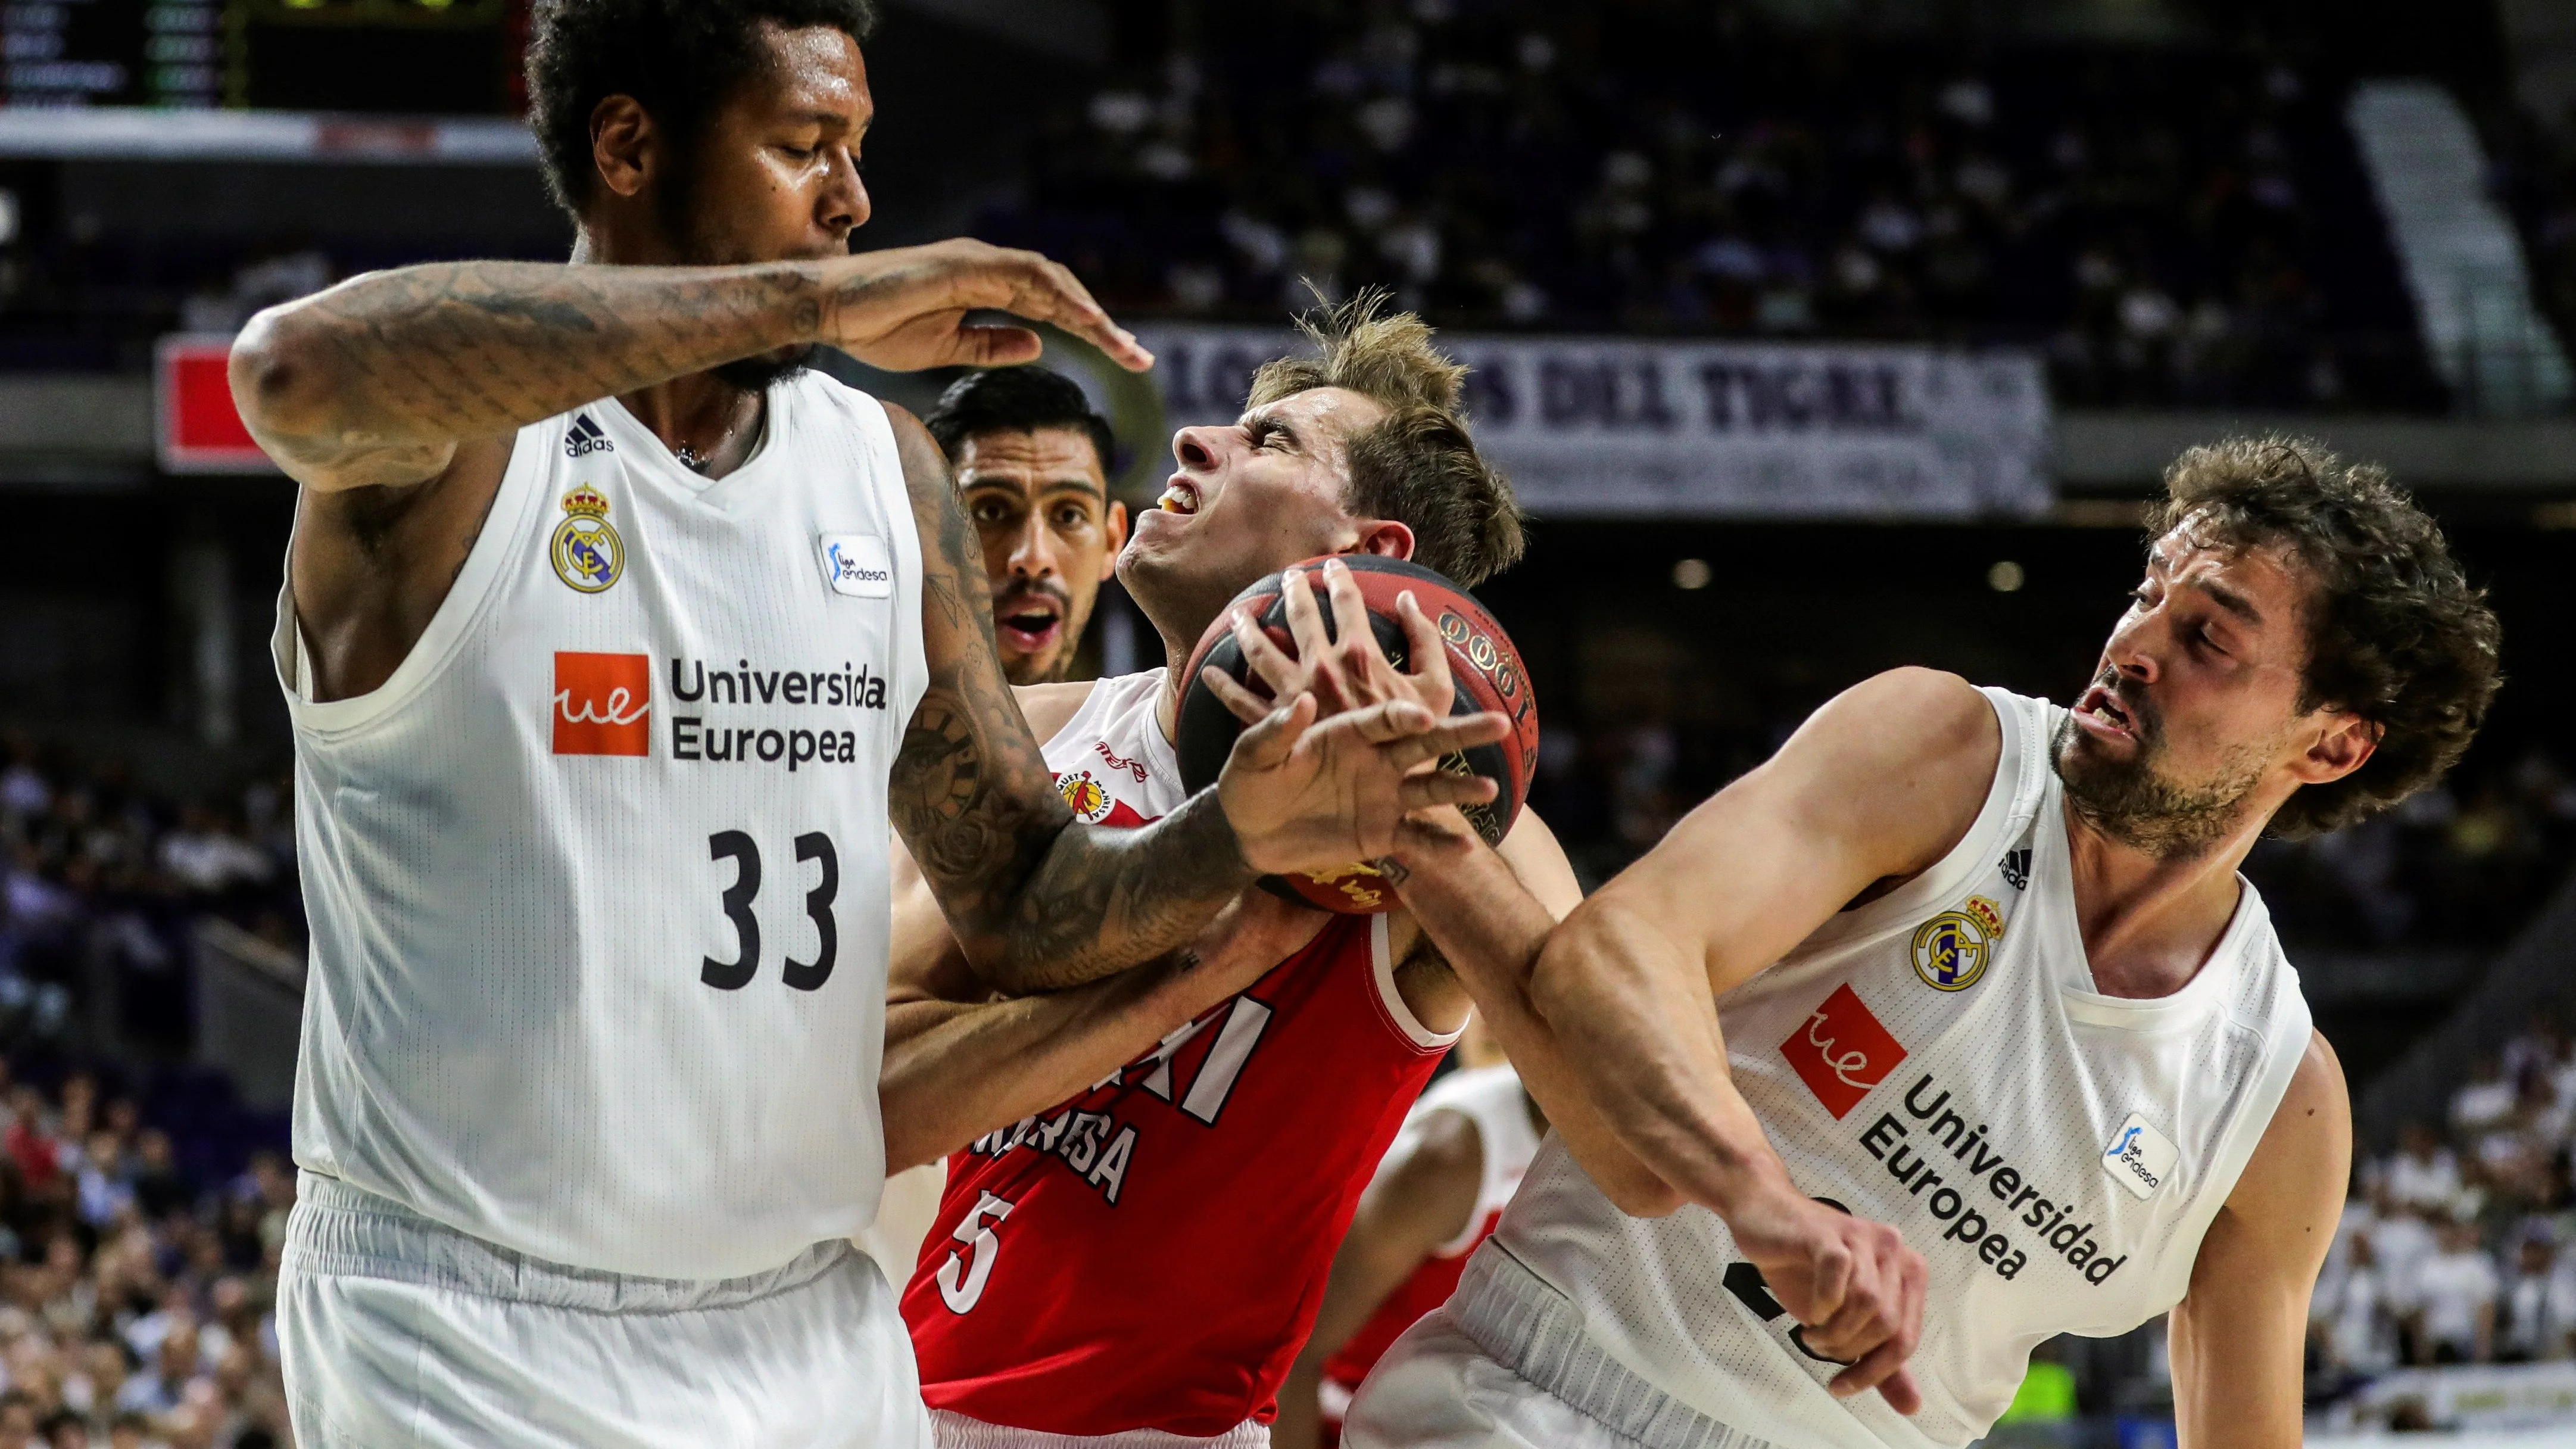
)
(376, 381)
(1038, 902)
(393, 396)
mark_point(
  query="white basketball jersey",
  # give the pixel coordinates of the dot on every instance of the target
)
(1492, 1098)
(1939, 1060)
(597, 879)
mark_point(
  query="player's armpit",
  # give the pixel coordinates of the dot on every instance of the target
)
(2239, 1335)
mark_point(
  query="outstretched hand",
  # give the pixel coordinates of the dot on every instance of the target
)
(1304, 796)
(905, 309)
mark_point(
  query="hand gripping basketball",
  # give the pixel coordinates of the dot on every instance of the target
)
(1358, 633)
(1302, 796)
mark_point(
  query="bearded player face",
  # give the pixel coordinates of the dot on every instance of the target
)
(2196, 716)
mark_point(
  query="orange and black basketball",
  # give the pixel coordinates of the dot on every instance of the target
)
(1483, 665)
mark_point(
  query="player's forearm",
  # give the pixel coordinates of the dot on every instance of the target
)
(1490, 929)
(1634, 1012)
(432, 354)
(1100, 900)
(954, 1072)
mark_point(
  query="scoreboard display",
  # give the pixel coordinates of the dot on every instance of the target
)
(428, 57)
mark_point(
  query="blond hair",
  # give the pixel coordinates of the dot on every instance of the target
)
(1418, 465)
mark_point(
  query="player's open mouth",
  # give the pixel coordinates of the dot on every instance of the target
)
(1179, 496)
(1029, 625)
(2100, 711)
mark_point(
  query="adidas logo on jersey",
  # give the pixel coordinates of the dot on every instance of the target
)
(584, 438)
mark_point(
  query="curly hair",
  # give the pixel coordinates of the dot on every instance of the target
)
(1418, 465)
(2396, 633)
(679, 59)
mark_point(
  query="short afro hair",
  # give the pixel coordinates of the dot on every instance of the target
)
(1016, 400)
(679, 59)
(2396, 633)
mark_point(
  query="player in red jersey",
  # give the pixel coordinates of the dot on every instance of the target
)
(1438, 1194)
(1142, 1254)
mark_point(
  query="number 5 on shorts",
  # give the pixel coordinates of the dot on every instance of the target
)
(961, 1278)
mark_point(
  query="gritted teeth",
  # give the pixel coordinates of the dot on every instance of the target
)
(1178, 497)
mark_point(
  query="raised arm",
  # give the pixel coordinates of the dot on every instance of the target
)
(1038, 902)
(377, 381)
(2239, 1335)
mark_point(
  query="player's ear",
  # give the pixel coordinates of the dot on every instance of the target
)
(1114, 526)
(623, 145)
(2344, 745)
(1384, 537)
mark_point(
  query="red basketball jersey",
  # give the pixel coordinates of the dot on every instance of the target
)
(1150, 1253)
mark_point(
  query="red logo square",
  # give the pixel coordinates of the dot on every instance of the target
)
(1841, 1051)
(603, 704)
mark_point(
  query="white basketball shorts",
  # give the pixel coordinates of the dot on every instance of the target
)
(397, 1331)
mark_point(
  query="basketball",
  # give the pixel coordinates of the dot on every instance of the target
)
(1483, 664)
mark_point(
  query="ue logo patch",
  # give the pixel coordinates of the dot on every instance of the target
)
(1841, 1051)
(587, 553)
(857, 564)
(603, 704)
(1950, 950)
(2140, 1158)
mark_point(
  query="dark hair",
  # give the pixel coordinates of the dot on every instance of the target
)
(2396, 634)
(679, 59)
(1016, 400)
(1417, 466)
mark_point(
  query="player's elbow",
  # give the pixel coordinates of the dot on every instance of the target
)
(280, 374)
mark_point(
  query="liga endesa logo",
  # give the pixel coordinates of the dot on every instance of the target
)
(1840, 1051)
(603, 704)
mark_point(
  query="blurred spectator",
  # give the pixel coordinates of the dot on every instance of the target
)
(2424, 1174)
(2484, 1099)
(2455, 1300)
(2356, 1312)
(2536, 1314)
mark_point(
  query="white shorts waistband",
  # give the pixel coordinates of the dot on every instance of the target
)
(338, 1230)
(956, 1431)
(1531, 1329)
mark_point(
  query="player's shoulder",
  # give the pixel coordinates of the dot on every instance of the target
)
(2303, 1160)
(1050, 707)
(1909, 722)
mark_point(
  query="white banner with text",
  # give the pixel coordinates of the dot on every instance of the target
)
(1603, 427)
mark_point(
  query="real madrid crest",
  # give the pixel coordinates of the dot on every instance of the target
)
(587, 552)
(1084, 794)
(1950, 950)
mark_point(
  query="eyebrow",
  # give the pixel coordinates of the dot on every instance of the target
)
(1256, 424)
(2233, 602)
